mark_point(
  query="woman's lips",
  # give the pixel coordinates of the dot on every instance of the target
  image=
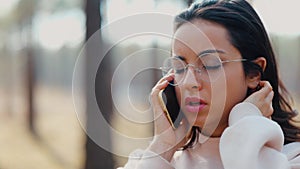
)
(194, 104)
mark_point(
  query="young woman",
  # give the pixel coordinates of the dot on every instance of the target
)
(236, 110)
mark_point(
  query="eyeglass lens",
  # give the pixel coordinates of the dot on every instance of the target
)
(208, 67)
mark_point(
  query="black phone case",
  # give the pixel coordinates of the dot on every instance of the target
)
(170, 100)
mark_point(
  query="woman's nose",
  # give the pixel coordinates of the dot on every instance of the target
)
(192, 79)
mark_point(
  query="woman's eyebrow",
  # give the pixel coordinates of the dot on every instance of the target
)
(201, 53)
(211, 51)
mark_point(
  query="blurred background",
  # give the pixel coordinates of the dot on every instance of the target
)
(39, 43)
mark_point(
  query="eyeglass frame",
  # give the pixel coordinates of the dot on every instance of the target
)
(198, 70)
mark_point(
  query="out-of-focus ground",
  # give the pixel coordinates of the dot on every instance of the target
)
(60, 139)
(59, 143)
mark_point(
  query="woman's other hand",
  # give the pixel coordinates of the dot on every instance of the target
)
(262, 99)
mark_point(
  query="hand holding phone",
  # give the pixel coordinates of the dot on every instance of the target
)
(167, 138)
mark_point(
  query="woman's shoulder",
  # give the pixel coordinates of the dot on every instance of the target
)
(292, 152)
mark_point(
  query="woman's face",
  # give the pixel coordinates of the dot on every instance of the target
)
(208, 104)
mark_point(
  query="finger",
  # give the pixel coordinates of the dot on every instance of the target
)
(266, 85)
(159, 110)
(269, 99)
(161, 84)
(270, 96)
(168, 77)
(269, 111)
(155, 98)
(266, 88)
(161, 122)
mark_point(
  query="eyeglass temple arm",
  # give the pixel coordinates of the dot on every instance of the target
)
(235, 60)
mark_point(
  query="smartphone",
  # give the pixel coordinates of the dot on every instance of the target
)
(171, 106)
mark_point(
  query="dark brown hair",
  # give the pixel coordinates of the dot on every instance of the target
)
(249, 36)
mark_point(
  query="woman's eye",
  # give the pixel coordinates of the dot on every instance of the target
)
(211, 67)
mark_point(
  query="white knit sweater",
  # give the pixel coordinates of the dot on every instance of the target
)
(250, 142)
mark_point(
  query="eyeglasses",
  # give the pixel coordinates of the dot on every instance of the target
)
(208, 67)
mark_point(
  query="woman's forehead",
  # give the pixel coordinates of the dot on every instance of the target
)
(201, 35)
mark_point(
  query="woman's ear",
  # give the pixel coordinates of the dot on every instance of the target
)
(253, 79)
(262, 62)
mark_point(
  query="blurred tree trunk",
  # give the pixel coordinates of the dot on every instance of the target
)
(25, 14)
(96, 157)
(30, 89)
